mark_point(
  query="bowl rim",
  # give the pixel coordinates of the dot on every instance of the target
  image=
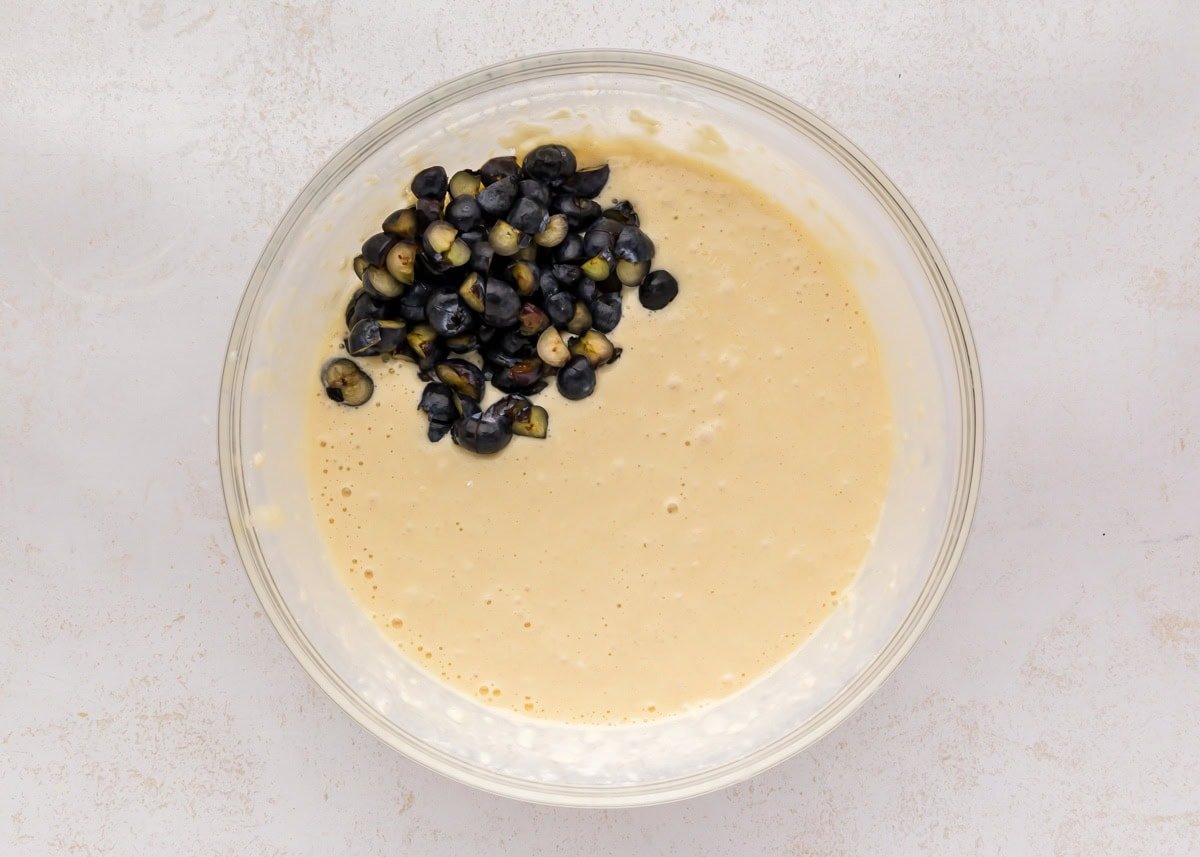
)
(966, 483)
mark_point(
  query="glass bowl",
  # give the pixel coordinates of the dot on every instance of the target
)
(840, 196)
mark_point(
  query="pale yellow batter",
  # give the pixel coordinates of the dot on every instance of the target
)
(678, 533)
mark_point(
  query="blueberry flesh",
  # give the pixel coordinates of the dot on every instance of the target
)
(523, 376)
(581, 318)
(461, 376)
(532, 421)
(598, 268)
(425, 346)
(606, 312)
(402, 224)
(379, 283)
(484, 434)
(525, 276)
(533, 319)
(464, 183)
(576, 380)
(497, 198)
(554, 232)
(505, 238)
(345, 383)
(464, 343)
(552, 163)
(658, 290)
(430, 183)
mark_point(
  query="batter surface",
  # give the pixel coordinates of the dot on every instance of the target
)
(678, 533)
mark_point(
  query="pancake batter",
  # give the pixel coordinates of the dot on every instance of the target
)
(678, 533)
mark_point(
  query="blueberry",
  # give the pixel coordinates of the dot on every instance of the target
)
(464, 213)
(560, 306)
(375, 248)
(498, 168)
(623, 212)
(447, 315)
(523, 376)
(577, 380)
(570, 250)
(464, 183)
(548, 284)
(528, 215)
(430, 183)
(345, 383)
(437, 404)
(606, 312)
(461, 376)
(501, 303)
(362, 305)
(428, 210)
(412, 303)
(482, 433)
(567, 275)
(497, 198)
(363, 339)
(580, 210)
(588, 182)
(597, 241)
(586, 290)
(633, 245)
(658, 290)
(534, 190)
(552, 163)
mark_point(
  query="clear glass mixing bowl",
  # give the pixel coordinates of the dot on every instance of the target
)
(840, 195)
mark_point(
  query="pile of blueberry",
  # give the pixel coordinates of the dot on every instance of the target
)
(519, 276)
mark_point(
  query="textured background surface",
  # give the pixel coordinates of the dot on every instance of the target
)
(147, 150)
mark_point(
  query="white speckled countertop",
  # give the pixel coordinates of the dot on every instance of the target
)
(147, 150)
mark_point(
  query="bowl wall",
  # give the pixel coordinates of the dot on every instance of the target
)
(303, 278)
